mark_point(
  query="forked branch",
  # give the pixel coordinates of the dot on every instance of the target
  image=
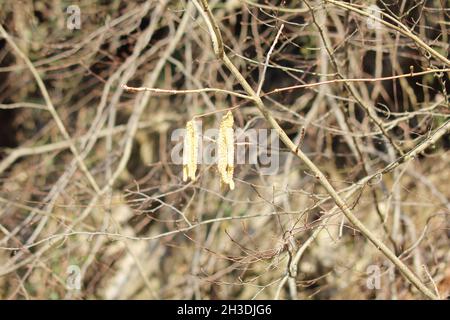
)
(217, 42)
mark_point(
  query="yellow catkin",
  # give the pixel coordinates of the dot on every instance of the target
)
(225, 163)
(190, 149)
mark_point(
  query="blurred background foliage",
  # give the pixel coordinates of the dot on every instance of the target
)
(44, 194)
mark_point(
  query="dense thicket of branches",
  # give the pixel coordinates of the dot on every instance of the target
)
(89, 187)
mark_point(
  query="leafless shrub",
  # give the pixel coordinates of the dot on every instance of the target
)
(93, 204)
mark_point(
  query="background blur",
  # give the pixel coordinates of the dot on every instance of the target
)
(91, 204)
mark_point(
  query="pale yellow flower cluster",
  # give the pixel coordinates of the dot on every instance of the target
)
(190, 150)
(225, 163)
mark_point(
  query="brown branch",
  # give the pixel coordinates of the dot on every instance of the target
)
(408, 274)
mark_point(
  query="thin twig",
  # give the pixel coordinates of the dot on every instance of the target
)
(170, 91)
(263, 75)
(409, 275)
(51, 108)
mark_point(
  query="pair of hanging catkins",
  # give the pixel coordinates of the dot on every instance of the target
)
(225, 142)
